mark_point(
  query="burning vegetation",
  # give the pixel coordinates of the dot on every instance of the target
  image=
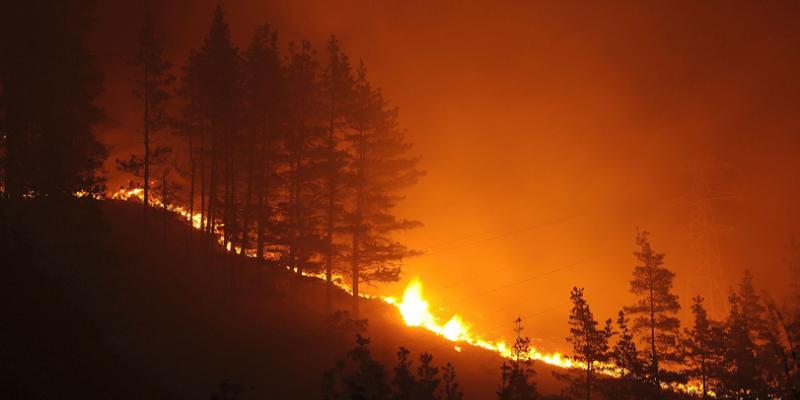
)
(296, 162)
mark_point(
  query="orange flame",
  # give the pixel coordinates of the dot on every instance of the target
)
(415, 309)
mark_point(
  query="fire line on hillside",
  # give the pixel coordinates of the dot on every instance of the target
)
(413, 308)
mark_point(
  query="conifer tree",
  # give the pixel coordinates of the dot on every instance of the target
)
(404, 381)
(450, 389)
(380, 167)
(589, 344)
(655, 311)
(47, 102)
(753, 363)
(302, 205)
(741, 377)
(212, 86)
(700, 347)
(337, 94)
(427, 378)
(367, 380)
(625, 355)
(152, 88)
(264, 97)
(515, 375)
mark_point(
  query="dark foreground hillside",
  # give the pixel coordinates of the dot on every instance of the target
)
(97, 304)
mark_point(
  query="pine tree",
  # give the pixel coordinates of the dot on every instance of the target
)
(337, 94)
(427, 378)
(589, 344)
(379, 168)
(741, 378)
(450, 389)
(264, 98)
(404, 381)
(153, 83)
(625, 355)
(515, 375)
(367, 380)
(212, 88)
(655, 312)
(47, 102)
(751, 317)
(781, 341)
(699, 345)
(303, 204)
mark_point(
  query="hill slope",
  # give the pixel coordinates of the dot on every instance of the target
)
(99, 304)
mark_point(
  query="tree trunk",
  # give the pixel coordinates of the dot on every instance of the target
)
(653, 353)
(331, 211)
(355, 274)
(191, 182)
(146, 178)
(588, 380)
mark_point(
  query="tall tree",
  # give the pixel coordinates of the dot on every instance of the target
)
(700, 347)
(303, 204)
(741, 378)
(264, 95)
(153, 81)
(380, 167)
(589, 343)
(749, 320)
(655, 311)
(337, 95)
(49, 84)
(515, 376)
(212, 87)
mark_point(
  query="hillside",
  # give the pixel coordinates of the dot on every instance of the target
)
(98, 304)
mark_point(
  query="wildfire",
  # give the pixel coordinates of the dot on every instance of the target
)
(414, 308)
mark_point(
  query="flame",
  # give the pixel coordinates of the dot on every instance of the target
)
(413, 308)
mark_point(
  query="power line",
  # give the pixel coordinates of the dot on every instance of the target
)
(506, 234)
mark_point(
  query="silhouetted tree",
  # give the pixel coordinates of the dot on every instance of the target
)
(48, 85)
(626, 357)
(700, 347)
(153, 81)
(754, 367)
(404, 381)
(589, 344)
(515, 375)
(450, 388)
(781, 340)
(361, 378)
(302, 207)
(212, 88)
(264, 94)
(337, 96)
(427, 378)
(655, 312)
(380, 167)
(160, 161)
(741, 378)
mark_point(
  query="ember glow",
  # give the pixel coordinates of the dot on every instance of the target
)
(415, 310)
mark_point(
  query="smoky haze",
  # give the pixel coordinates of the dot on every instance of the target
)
(550, 131)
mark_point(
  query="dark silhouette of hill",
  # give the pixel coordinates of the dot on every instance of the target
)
(98, 304)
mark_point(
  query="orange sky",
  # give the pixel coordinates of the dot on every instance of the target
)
(589, 120)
